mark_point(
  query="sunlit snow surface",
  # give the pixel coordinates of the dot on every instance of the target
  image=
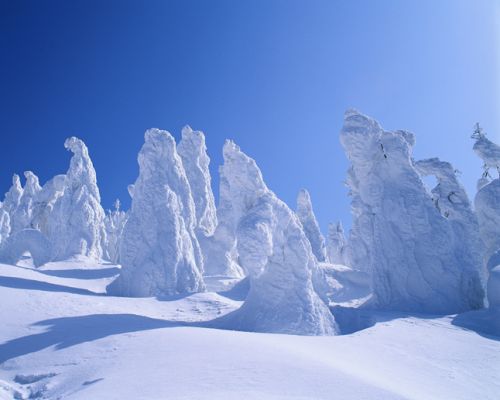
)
(60, 338)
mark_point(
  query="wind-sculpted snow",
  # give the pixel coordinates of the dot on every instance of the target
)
(274, 250)
(193, 152)
(4, 225)
(494, 288)
(13, 196)
(336, 244)
(451, 200)
(419, 258)
(22, 215)
(239, 180)
(43, 216)
(75, 225)
(159, 252)
(488, 151)
(487, 200)
(310, 224)
(114, 223)
(27, 240)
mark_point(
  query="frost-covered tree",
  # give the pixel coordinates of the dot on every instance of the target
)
(75, 225)
(419, 259)
(336, 244)
(273, 248)
(159, 252)
(13, 196)
(114, 223)
(487, 200)
(193, 152)
(310, 224)
(221, 256)
(4, 225)
(488, 151)
(22, 215)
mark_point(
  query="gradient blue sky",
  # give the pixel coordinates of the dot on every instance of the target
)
(275, 76)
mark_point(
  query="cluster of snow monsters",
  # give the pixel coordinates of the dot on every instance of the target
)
(424, 250)
(57, 221)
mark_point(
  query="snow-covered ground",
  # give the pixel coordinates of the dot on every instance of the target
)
(61, 338)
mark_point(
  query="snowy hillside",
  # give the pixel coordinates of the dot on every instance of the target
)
(61, 338)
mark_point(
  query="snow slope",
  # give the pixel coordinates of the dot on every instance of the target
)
(60, 338)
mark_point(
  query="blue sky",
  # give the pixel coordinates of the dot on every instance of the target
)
(275, 76)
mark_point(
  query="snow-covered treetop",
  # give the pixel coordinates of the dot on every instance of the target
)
(158, 147)
(32, 186)
(81, 170)
(488, 151)
(242, 171)
(14, 194)
(193, 152)
(310, 224)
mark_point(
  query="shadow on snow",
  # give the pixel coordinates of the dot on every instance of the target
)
(82, 273)
(70, 331)
(30, 284)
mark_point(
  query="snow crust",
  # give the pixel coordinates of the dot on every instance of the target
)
(417, 259)
(159, 251)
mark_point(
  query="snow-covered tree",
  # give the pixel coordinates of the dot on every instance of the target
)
(159, 251)
(336, 244)
(75, 225)
(4, 225)
(22, 215)
(193, 152)
(419, 259)
(274, 250)
(13, 196)
(310, 224)
(114, 223)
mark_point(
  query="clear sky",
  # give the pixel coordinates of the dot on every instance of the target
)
(275, 76)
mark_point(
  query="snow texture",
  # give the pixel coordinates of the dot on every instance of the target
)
(159, 252)
(418, 259)
(274, 250)
(336, 244)
(310, 224)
